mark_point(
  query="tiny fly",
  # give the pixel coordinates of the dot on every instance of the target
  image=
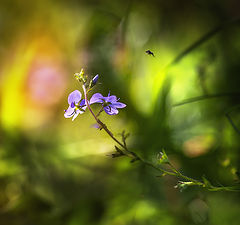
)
(150, 53)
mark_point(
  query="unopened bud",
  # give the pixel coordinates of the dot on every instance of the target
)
(162, 157)
(94, 81)
(80, 76)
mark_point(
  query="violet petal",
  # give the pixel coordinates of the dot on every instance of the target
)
(96, 98)
(69, 112)
(118, 105)
(110, 111)
(74, 96)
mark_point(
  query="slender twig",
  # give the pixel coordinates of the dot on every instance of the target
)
(132, 154)
(101, 110)
(205, 97)
(174, 172)
(203, 39)
(180, 175)
(232, 123)
(102, 125)
(227, 114)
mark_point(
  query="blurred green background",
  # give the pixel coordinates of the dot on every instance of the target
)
(55, 171)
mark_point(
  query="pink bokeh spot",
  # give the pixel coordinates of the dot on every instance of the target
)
(46, 84)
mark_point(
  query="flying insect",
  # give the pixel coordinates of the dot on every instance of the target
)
(150, 53)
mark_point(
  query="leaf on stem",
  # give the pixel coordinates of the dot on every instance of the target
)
(124, 137)
(80, 76)
(134, 160)
(162, 157)
(118, 153)
(161, 175)
(182, 185)
(206, 182)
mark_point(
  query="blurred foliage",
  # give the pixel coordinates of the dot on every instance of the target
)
(54, 171)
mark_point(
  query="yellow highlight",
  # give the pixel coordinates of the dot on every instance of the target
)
(150, 73)
(12, 87)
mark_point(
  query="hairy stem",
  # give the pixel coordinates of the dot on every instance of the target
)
(180, 175)
(102, 125)
(133, 155)
(204, 97)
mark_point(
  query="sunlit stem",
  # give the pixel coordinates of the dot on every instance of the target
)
(199, 183)
(180, 175)
(133, 155)
(129, 153)
(98, 120)
(99, 112)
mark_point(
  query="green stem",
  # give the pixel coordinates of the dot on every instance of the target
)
(103, 126)
(157, 168)
(180, 175)
(133, 155)
(101, 110)
(203, 39)
(205, 97)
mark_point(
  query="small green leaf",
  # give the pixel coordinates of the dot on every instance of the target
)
(119, 150)
(80, 76)
(182, 185)
(134, 160)
(162, 157)
(206, 182)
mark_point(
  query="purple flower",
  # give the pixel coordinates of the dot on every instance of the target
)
(95, 79)
(109, 103)
(76, 105)
(93, 82)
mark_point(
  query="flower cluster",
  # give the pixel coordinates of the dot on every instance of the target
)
(77, 105)
(109, 103)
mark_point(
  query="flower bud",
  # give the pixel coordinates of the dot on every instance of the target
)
(94, 81)
(80, 76)
(162, 157)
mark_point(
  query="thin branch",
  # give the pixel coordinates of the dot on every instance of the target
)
(203, 39)
(102, 125)
(205, 97)
(232, 123)
(134, 156)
